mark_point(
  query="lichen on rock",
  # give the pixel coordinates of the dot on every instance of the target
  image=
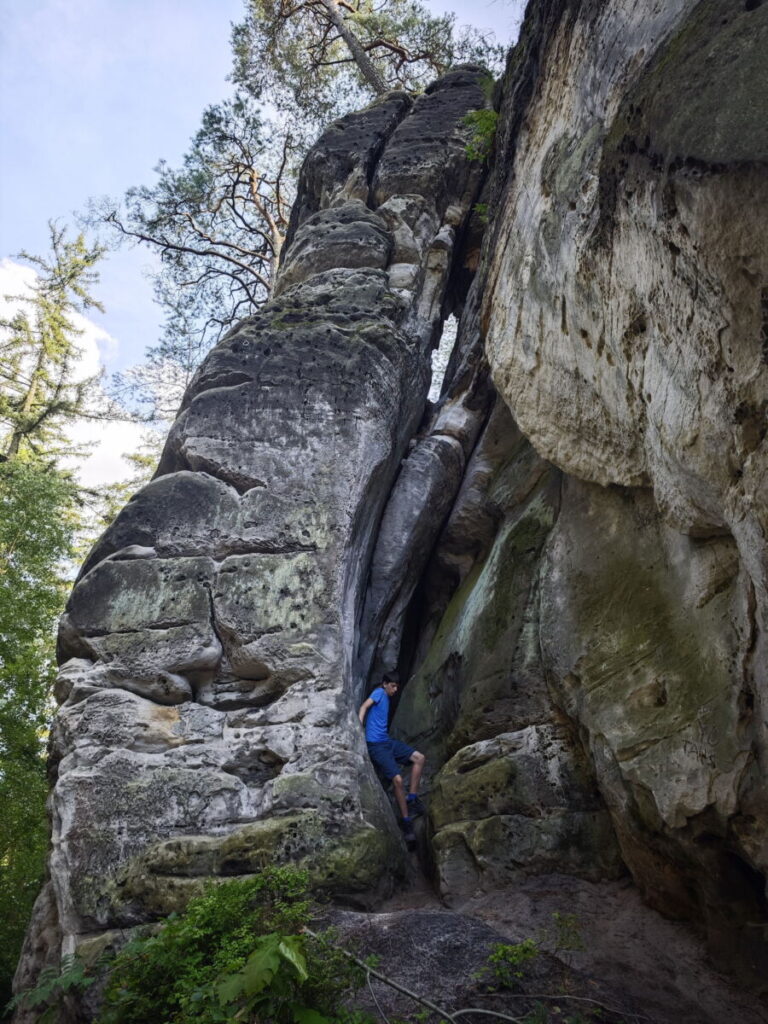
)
(565, 555)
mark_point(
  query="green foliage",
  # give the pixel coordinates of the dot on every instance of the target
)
(37, 522)
(481, 209)
(218, 221)
(482, 125)
(52, 987)
(298, 58)
(565, 933)
(40, 391)
(236, 953)
(506, 963)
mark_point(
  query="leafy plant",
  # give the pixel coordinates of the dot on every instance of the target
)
(481, 210)
(237, 953)
(482, 126)
(52, 986)
(567, 934)
(506, 962)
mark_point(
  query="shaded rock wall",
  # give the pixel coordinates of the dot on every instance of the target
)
(623, 313)
(625, 327)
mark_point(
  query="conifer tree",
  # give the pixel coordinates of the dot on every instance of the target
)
(40, 388)
(321, 58)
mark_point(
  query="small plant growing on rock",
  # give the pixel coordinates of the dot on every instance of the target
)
(567, 937)
(562, 936)
(482, 125)
(506, 963)
(481, 211)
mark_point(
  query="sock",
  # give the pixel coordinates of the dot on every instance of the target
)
(411, 797)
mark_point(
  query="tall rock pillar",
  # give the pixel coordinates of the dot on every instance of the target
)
(207, 724)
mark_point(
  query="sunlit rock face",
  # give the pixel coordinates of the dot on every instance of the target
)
(208, 708)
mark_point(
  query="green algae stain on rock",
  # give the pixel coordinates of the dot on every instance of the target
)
(642, 659)
(474, 681)
(497, 850)
(345, 864)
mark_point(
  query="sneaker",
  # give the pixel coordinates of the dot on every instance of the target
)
(407, 828)
(415, 806)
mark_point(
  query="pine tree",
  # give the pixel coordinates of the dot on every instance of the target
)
(320, 58)
(218, 221)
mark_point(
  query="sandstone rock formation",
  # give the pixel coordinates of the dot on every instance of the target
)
(625, 318)
(565, 556)
(208, 715)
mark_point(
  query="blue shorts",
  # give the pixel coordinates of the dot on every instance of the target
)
(385, 756)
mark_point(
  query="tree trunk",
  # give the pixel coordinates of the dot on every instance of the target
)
(361, 58)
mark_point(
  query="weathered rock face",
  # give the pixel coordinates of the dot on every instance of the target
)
(208, 715)
(646, 635)
(514, 794)
(565, 557)
(624, 313)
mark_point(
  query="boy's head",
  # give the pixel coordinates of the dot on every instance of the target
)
(390, 682)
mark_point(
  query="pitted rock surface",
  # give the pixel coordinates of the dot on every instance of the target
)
(566, 562)
(208, 722)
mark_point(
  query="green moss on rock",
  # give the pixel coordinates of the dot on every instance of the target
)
(358, 863)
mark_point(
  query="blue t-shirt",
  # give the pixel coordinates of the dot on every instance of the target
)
(377, 719)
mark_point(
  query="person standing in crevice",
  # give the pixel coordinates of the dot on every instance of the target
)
(388, 754)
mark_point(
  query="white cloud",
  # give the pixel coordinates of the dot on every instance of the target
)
(108, 440)
(15, 279)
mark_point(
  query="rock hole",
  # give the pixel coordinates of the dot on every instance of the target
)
(441, 357)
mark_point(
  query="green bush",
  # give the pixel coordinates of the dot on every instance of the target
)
(506, 963)
(238, 953)
(482, 125)
(52, 987)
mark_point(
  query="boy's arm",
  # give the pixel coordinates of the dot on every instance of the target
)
(364, 710)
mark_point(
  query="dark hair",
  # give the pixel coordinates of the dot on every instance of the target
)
(391, 677)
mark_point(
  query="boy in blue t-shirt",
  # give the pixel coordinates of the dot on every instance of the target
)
(387, 753)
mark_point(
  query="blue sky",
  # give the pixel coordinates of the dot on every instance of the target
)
(92, 94)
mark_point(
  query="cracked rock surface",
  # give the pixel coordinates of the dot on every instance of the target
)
(565, 556)
(207, 721)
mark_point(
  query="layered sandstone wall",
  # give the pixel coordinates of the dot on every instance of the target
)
(623, 311)
(565, 556)
(208, 696)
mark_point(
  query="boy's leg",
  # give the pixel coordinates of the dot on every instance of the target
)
(383, 757)
(417, 760)
(397, 784)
